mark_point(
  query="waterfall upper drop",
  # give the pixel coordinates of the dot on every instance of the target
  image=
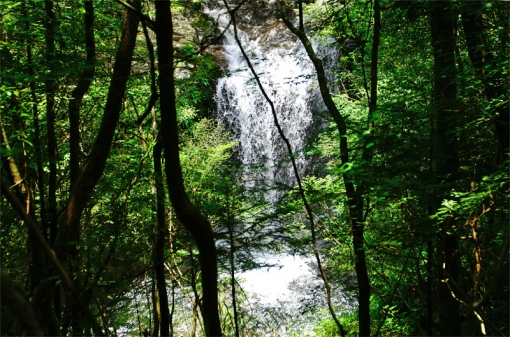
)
(288, 77)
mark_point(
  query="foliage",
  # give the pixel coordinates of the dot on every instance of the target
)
(408, 209)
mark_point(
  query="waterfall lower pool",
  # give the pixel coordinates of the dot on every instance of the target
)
(272, 284)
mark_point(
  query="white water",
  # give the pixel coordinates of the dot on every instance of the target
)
(271, 284)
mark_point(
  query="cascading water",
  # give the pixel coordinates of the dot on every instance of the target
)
(288, 78)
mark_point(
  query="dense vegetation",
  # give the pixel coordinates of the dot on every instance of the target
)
(125, 210)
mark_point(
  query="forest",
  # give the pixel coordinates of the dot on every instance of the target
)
(153, 151)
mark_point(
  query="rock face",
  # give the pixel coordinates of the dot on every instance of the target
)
(219, 55)
(183, 29)
(263, 19)
(260, 20)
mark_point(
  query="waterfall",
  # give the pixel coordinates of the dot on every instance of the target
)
(288, 77)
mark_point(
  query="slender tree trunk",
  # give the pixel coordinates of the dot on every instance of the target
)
(197, 305)
(77, 94)
(430, 284)
(74, 142)
(445, 110)
(159, 186)
(358, 218)
(160, 243)
(190, 217)
(156, 312)
(230, 221)
(50, 90)
(172, 310)
(51, 216)
(37, 261)
(37, 129)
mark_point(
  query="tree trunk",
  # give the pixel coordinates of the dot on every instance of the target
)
(37, 130)
(487, 69)
(75, 152)
(156, 312)
(445, 109)
(51, 217)
(190, 217)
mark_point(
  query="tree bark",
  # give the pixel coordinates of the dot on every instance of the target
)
(445, 88)
(190, 217)
(51, 217)
(74, 136)
(156, 312)
(430, 284)
(37, 130)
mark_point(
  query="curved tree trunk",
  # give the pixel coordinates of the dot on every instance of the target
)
(190, 217)
(92, 170)
(94, 166)
(355, 195)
